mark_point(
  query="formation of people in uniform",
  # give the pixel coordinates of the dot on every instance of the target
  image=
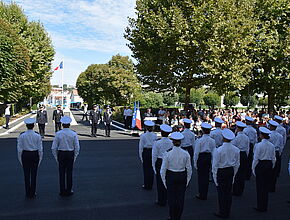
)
(94, 116)
(229, 157)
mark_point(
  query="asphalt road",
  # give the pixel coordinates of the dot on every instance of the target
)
(107, 185)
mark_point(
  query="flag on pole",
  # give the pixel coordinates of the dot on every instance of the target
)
(138, 117)
(60, 66)
(134, 116)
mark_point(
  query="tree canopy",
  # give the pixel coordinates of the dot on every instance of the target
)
(112, 83)
(26, 56)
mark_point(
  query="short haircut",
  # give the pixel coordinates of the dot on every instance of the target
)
(30, 126)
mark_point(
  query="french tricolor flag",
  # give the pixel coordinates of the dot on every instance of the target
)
(136, 122)
(138, 119)
(60, 66)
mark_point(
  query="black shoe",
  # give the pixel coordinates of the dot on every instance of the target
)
(288, 201)
(200, 198)
(62, 194)
(220, 215)
(259, 210)
(69, 193)
(236, 194)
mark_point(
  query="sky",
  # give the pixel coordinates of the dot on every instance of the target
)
(83, 32)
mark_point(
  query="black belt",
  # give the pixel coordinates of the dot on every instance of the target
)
(30, 151)
(169, 171)
(205, 153)
(147, 148)
(65, 151)
(187, 146)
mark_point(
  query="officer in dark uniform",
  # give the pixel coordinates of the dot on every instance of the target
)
(65, 149)
(56, 116)
(176, 173)
(30, 152)
(225, 165)
(188, 141)
(262, 167)
(108, 120)
(95, 118)
(41, 120)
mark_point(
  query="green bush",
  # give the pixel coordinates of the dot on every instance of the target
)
(212, 99)
(2, 121)
(231, 99)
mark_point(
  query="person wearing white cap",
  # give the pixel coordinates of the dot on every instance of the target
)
(281, 129)
(242, 142)
(30, 153)
(65, 149)
(187, 143)
(146, 142)
(225, 165)
(263, 163)
(95, 118)
(159, 149)
(176, 173)
(252, 134)
(277, 140)
(202, 160)
(216, 134)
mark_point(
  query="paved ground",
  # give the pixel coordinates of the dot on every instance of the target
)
(107, 186)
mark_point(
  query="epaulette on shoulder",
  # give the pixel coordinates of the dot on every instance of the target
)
(36, 132)
(74, 131)
(22, 132)
(169, 150)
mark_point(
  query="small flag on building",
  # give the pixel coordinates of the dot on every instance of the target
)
(60, 66)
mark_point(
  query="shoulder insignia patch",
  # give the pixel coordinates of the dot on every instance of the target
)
(169, 150)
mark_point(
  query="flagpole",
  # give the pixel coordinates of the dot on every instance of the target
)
(62, 101)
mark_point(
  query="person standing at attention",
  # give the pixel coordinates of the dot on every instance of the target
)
(65, 149)
(187, 143)
(159, 149)
(146, 143)
(30, 153)
(203, 151)
(225, 165)
(176, 173)
(263, 163)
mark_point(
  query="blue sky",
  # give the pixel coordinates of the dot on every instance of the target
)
(83, 32)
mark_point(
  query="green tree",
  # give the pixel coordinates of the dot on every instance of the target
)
(170, 98)
(14, 64)
(39, 49)
(167, 39)
(196, 96)
(152, 99)
(211, 99)
(230, 46)
(271, 74)
(231, 99)
(112, 83)
(263, 101)
(249, 100)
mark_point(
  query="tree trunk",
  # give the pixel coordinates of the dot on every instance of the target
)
(271, 102)
(187, 97)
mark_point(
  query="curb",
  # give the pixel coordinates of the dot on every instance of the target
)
(15, 127)
(18, 119)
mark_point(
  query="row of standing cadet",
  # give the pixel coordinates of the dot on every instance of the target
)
(95, 117)
(232, 159)
(65, 149)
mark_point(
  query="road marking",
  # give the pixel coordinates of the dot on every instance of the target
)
(18, 119)
(15, 127)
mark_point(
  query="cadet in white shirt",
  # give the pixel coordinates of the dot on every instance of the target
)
(30, 152)
(65, 149)
(263, 163)
(225, 165)
(187, 143)
(202, 160)
(242, 142)
(252, 134)
(176, 173)
(277, 140)
(281, 129)
(146, 143)
(159, 149)
(216, 134)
